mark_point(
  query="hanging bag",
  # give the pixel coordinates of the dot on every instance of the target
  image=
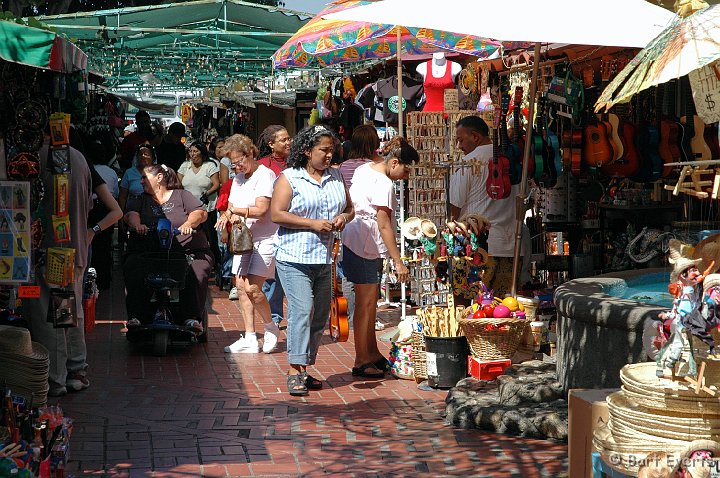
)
(240, 240)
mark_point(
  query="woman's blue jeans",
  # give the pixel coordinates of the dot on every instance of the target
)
(307, 288)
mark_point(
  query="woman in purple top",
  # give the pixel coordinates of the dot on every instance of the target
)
(164, 197)
(365, 143)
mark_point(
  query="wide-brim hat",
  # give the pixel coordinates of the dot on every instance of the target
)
(15, 342)
(697, 445)
(411, 228)
(428, 228)
(708, 250)
(681, 265)
(712, 280)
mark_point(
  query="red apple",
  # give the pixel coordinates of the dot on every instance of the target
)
(488, 309)
(479, 314)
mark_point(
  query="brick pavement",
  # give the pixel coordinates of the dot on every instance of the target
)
(201, 412)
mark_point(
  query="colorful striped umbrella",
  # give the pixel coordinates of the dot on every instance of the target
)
(324, 42)
(39, 48)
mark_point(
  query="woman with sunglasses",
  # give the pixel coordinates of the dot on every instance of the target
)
(249, 201)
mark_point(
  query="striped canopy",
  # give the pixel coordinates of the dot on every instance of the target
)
(325, 42)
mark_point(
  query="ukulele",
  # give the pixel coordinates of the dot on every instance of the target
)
(572, 151)
(648, 139)
(517, 148)
(506, 147)
(554, 146)
(541, 150)
(338, 324)
(498, 180)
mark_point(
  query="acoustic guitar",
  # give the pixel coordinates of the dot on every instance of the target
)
(498, 181)
(517, 147)
(669, 131)
(597, 150)
(572, 151)
(694, 126)
(628, 164)
(611, 121)
(338, 324)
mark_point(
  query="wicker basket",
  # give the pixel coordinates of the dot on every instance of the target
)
(493, 339)
(418, 356)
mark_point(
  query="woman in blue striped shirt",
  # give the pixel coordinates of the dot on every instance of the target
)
(310, 203)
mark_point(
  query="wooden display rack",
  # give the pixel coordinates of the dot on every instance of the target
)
(696, 177)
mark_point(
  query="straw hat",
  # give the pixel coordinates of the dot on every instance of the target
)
(697, 468)
(16, 342)
(710, 281)
(411, 228)
(708, 250)
(428, 228)
(679, 258)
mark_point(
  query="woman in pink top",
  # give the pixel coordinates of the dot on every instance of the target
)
(367, 239)
(364, 144)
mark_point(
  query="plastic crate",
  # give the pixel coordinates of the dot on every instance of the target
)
(486, 369)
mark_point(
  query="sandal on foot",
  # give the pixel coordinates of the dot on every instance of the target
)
(312, 383)
(296, 385)
(381, 364)
(361, 371)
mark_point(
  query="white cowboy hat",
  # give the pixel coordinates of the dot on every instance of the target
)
(411, 228)
(679, 259)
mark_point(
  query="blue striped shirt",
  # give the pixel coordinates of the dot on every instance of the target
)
(324, 201)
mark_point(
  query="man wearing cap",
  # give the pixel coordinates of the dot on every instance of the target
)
(171, 151)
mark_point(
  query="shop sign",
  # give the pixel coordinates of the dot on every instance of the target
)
(705, 84)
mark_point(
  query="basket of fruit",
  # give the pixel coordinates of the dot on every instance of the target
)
(492, 331)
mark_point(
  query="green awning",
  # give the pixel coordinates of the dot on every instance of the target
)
(39, 48)
(197, 43)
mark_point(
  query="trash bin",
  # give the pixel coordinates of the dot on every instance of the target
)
(446, 360)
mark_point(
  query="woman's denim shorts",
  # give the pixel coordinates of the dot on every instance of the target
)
(359, 270)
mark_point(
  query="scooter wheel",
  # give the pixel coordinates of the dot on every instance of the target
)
(160, 343)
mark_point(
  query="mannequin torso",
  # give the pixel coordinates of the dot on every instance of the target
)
(438, 74)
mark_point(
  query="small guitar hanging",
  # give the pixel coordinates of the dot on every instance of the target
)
(338, 323)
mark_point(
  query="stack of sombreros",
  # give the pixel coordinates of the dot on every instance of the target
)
(24, 365)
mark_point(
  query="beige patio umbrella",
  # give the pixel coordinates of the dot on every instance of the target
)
(628, 23)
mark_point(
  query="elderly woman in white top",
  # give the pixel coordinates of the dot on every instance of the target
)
(249, 200)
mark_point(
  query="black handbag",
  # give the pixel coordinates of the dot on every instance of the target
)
(240, 240)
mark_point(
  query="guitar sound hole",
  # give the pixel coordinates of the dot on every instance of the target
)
(595, 137)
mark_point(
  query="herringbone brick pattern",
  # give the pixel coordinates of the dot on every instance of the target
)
(201, 412)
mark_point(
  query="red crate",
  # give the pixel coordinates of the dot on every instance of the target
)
(486, 369)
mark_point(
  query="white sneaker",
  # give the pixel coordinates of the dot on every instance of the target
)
(379, 325)
(233, 295)
(270, 339)
(243, 346)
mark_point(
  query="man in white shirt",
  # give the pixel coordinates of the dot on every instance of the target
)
(468, 195)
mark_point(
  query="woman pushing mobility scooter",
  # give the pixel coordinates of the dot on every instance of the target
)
(165, 200)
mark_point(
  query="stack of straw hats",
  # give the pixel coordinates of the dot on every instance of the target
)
(651, 414)
(24, 365)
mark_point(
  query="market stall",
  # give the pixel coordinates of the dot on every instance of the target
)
(44, 88)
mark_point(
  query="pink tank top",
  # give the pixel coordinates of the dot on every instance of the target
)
(435, 87)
